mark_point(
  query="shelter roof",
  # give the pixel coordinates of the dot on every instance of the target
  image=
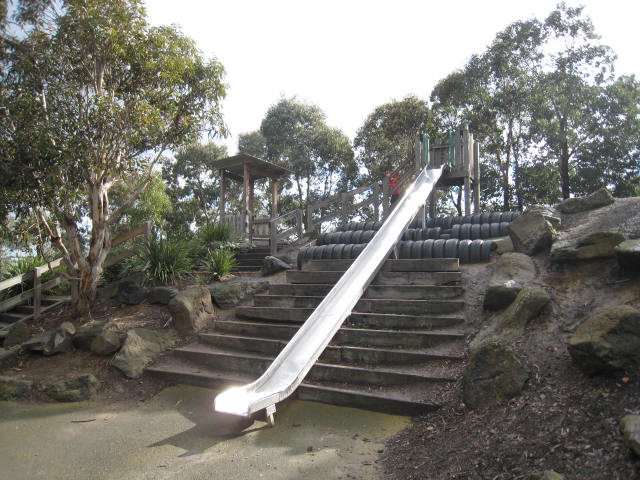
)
(257, 167)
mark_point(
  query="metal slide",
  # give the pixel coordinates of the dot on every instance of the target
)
(292, 364)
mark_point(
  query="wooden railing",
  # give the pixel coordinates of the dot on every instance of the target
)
(35, 294)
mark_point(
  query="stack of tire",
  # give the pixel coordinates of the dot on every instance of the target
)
(463, 237)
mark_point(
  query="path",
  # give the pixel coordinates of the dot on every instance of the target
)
(175, 435)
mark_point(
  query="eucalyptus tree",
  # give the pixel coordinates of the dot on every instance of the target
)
(320, 157)
(93, 95)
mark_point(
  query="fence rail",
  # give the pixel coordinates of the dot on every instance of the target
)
(35, 294)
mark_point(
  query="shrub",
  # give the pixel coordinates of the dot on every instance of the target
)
(215, 232)
(22, 266)
(163, 261)
(219, 262)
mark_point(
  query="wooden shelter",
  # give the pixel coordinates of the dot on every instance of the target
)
(246, 169)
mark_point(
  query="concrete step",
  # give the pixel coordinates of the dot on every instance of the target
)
(256, 364)
(401, 265)
(275, 314)
(252, 255)
(440, 341)
(382, 278)
(408, 307)
(413, 292)
(395, 321)
(286, 301)
(411, 400)
(246, 268)
(302, 289)
(12, 316)
(333, 353)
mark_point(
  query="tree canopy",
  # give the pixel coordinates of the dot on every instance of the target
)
(92, 94)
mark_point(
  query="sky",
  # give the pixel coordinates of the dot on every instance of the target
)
(350, 56)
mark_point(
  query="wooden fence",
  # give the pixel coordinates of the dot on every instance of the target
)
(35, 294)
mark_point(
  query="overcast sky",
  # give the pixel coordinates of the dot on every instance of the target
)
(349, 56)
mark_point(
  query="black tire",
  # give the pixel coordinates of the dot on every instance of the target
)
(476, 219)
(467, 219)
(485, 251)
(504, 228)
(431, 222)
(463, 250)
(405, 249)
(416, 249)
(455, 231)
(485, 218)
(495, 217)
(368, 235)
(494, 230)
(357, 249)
(465, 231)
(485, 230)
(347, 251)
(444, 236)
(457, 220)
(356, 236)
(475, 251)
(426, 251)
(337, 251)
(447, 223)
(451, 248)
(438, 248)
(475, 231)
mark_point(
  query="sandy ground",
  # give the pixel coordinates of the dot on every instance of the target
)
(176, 435)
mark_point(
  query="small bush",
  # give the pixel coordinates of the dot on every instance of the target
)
(219, 262)
(163, 261)
(22, 266)
(216, 232)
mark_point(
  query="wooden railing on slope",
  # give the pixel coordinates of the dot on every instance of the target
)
(36, 292)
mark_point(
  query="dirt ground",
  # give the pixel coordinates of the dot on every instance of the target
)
(564, 420)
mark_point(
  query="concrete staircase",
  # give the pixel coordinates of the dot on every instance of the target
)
(251, 260)
(400, 351)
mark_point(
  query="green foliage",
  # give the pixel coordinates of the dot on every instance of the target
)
(21, 266)
(164, 261)
(219, 262)
(386, 139)
(253, 143)
(87, 95)
(216, 232)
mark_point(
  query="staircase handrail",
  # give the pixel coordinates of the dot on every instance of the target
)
(290, 367)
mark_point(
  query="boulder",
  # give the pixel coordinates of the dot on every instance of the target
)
(84, 335)
(509, 325)
(503, 245)
(271, 265)
(62, 339)
(18, 332)
(628, 253)
(76, 389)
(608, 341)
(140, 346)
(106, 343)
(493, 374)
(550, 214)
(40, 342)
(191, 309)
(590, 246)
(162, 295)
(630, 427)
(597, 199)
(230, 294)
(11, 387)
(8, 358)
(130, 293)
(531, 233)
(511, 273)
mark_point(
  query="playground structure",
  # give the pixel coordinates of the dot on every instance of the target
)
(458, 157)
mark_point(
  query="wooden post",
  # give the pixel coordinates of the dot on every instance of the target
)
(299, 224)
(245, 180)
(377, 193)
(467, 165)
(385, 197)
(274, 198)
(432, 202)
(223, 194)
(273, 236)
(476, 183)
(37, 292)
(309, 218)
(417, 148)
(344, 207)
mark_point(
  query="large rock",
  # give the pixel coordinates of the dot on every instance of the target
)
(599, 198)
(509, 325)
(50, 342)
(162, 295)
(550, 214)
(77, 389)
(503, 245)
(608, 341)
(130, 293)
(140, 346)
(531, 233)
(591, 246)
(106, 343)
(493, 374)
(271, 265)
(18, 332)
(630, 427)
(84, 335)
(39, 342)
(191, 309)
(511, 273)
(230, 294)
(11, 387)
(628, 253)
(8, 358)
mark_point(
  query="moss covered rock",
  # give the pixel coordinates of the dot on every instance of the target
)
(511, 273)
